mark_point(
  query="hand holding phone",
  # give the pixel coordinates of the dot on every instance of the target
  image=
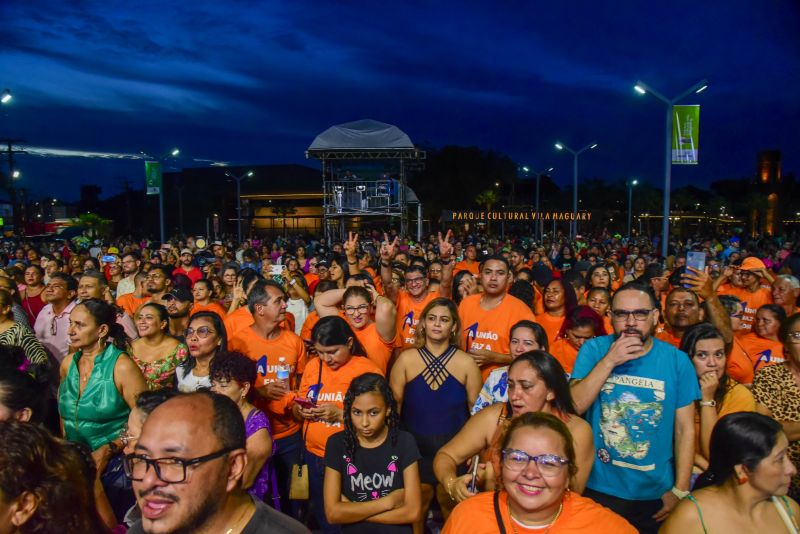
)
(304, 402)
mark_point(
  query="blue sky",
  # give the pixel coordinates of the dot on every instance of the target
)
(253, 82)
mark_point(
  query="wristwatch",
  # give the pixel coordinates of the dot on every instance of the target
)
(680, 493)
(708, 403)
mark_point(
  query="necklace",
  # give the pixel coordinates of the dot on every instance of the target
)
(548, 525)
(235, 526)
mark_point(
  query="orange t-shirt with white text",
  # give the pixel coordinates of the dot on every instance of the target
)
(266, 352)
(333, 385)
(409, 313)
(761, 351)
(490, 329)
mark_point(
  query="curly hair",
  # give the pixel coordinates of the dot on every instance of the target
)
(368, 383)
(55, 472)
(231, 365)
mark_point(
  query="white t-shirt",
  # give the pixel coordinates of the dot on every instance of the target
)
(188, 382)
(299, 309)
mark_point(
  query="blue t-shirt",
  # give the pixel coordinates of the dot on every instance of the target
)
(633, 418)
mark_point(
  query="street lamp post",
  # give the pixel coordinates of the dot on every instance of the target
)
(239, 179)
(173, 153)
(575, 153)
(643, 88)
(631, 183)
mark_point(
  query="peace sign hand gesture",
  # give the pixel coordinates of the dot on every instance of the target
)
(445, 247)
(351, 245)
(388, 250)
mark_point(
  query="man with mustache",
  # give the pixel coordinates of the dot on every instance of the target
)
(638, 394)
(187, 470)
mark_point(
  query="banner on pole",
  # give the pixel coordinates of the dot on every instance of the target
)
(152, 177)
(685, 134)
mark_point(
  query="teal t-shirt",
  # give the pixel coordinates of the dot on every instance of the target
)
(633, 418)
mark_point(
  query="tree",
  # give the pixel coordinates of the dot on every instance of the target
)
(486, 199)
(94, 225)
(283, 212)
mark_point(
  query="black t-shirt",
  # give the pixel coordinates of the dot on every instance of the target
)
(372, 474)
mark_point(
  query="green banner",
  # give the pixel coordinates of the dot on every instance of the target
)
(685, 134)
(152, 177)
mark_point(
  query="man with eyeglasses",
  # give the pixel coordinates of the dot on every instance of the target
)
(753, 295)
(411, 300)
(131, 261)
(267, 343)
(187, 470)
(638, 394)
(52, 322)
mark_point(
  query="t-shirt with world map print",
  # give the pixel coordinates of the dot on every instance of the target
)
(371, 474)
(633, 418)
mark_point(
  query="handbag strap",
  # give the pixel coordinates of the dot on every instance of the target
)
(305, 429)
(500, 524)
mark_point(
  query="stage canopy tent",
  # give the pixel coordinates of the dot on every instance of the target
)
(365, 134)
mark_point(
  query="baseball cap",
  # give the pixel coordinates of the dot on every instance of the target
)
(752, 263)
(113, 250)
(186, 251)
(180, 293)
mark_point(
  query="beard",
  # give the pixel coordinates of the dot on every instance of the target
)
(644, 335)
(197, 516)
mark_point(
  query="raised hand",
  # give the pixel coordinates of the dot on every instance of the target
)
(388, 249)
(351, 245)
(445, 247)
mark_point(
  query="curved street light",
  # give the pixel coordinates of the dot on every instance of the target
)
(575, 153)
(239, 179)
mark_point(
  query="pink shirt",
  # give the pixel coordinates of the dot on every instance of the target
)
(51, 330)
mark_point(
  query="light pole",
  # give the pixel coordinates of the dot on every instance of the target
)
(173, 153)
(643, 88)
(539, 175)
(239, 179)
(575, 153)
(7, 96)
(631, 183)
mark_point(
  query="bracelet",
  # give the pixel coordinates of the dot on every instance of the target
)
(449, 487)
(292, 282)
(387, 265)
(708, 403)
(680, 494)
(351, 262)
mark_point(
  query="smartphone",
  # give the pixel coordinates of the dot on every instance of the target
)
(696, 260)
(109, 259)
(303, 402)
(473, 484)
(276, 270)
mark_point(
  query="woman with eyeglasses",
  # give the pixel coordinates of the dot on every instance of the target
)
(536, 383)
(720, 394)
(99, 386)
(740, 368)
(205, 337)
(777, 390)
(156, 352)
(537, 474)
(371, 316)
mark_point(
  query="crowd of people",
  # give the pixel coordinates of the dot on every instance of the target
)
(462, 384)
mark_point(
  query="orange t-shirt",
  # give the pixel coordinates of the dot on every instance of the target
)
(474, 267)
(761, 351)
(664, 334)
(210, 307)
(130, 304)
(266, 352)
(378, 350)
(579, 514)
(409, 313)
(565, 353)
(311, 319)
(491, 329)
(608, 326)
(332, 388)
(551, 324)
(241, 318)
(739, 367)
(751, 302)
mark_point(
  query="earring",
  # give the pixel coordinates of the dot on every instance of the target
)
(742, 479)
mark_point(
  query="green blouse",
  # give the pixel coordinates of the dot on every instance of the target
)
(97, 416)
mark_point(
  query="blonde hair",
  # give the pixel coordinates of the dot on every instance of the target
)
(455, 333)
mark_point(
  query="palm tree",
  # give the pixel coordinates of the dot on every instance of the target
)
(486, 199)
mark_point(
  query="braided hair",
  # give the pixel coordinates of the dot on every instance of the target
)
(367, 383)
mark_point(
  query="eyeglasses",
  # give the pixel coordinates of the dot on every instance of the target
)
(794, 337)
(169, 470)
(415, 281)
(202, 332)
(622, 315)
(125, 436)
(351, 310)
(549, 464)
